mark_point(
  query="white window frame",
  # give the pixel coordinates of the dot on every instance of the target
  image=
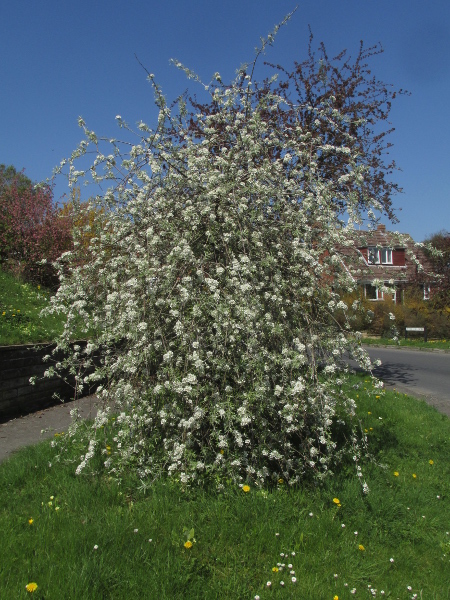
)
(380, 294)
(375, 258)
(386, 256)
(379, 256)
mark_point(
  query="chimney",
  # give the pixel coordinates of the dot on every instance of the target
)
(381, 227)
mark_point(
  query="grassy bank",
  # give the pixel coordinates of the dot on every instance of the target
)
(409, 343)
(88, 538)
(20, 307)
(20, 313)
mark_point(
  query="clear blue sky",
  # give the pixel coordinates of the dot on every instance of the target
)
(60, 60)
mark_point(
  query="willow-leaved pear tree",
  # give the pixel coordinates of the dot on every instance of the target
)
(211, 289)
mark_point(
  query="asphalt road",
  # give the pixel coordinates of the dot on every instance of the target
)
(421, 374)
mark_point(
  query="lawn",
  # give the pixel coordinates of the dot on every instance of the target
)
(21, 321)
(418, 342)
(88, 538)
(20, 307)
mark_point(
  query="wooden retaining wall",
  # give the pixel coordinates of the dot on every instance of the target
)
(17, 396)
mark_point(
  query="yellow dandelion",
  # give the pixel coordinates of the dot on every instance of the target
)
(369, 413)
(335, 597)
(31, 587)
(431, 462)
(31, 521)
(396, 473)
(280, 480)
(377, 397)
(361, 547)
(336, 500)
(188, 544)
(275, 569)
(366, 431)
(414, 475)
(245, 488)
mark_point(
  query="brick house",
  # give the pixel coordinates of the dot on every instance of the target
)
(384, 256)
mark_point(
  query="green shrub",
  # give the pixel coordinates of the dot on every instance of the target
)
(375, 318)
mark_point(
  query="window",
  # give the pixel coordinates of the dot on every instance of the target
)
(373, 255)
(373, 293)
(426, 291)
(386, 256)
(377, 256)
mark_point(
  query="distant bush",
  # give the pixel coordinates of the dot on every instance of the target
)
(419, 313)
(375, 318)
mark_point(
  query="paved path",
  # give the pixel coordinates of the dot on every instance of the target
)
(25, 431)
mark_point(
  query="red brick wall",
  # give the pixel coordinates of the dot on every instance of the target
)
(364, 252)
(398, 257)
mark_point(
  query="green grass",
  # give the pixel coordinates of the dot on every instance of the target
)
(20, 307)
(239, 537)
(417, 342)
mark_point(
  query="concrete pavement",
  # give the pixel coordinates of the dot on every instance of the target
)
(24, 431)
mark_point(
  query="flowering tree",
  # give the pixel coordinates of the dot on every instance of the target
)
(30, 230)
(211, 293)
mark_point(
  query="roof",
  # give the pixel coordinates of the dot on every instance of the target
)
(355, 259)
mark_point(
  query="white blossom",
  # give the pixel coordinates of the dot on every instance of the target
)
(210, 282)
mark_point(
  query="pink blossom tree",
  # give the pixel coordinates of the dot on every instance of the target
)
(31, 230)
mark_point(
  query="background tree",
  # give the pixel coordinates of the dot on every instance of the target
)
(362, 102)
(30, 229)
(439, 263)
(10, 175)
(10, 179)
